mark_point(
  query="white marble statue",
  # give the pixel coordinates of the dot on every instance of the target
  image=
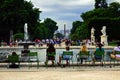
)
(92, 31)
(103, 31)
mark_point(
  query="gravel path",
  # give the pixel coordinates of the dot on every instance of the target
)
(83, 73)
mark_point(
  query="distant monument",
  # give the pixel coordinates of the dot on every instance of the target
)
(92, 36)
(64, 30)
(104, 36)
(11, 36)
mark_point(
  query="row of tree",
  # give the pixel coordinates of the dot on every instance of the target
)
(100, 16)
(15, 13)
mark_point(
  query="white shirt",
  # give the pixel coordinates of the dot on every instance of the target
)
(117, 48)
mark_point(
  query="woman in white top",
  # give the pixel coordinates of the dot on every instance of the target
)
(117, 48)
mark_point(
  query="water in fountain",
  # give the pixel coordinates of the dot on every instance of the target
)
(25, 44)
(26, 32)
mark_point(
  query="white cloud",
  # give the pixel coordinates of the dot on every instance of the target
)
(64, 11)
(76, 2)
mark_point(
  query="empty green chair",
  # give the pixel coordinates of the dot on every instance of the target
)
(32, 58)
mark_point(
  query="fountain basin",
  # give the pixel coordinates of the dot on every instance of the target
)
(42, 51)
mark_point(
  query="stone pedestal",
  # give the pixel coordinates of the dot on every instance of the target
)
(104, 40)
(92, 40)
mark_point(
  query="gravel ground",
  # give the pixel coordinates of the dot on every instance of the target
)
(57, 73)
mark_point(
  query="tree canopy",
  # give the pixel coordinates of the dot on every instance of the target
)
(14, 14)
(51, 25)
(101, 4)
(108, 16)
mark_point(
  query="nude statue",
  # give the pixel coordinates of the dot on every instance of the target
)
(92, 31)
(104, 30)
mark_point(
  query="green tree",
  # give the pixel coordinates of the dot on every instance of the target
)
(51, 25)
(41, 31)
(101, 4)
(75, 25)
(114, 9)
(109, 16)
(59, 35)
(14, 14)
(104, 17)
(74, 37)
(82, 31)
(18, 36)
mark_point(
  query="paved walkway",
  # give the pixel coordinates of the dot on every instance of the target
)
(58, 73)
(61, 75)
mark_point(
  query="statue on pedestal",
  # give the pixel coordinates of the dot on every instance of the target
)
(92, 31)
(104, 30)
(92, 36)
(104, 36)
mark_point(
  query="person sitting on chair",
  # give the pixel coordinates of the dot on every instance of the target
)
(13, 63)
(98, 48)
(116, 56)
(13, 54)
(83, 49)
(50, 49)
(66, 57)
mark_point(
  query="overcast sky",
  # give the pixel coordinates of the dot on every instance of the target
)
(64, 11)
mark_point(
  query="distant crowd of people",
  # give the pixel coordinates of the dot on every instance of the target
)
(41, 42)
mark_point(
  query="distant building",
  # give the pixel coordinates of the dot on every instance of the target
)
(65, 32)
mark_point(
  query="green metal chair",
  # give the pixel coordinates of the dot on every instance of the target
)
(83, 55)
(99, 56)
(13, 61)
(50, 56)
(114, 60)
(67, 53)
(33, 57)
(117, 52)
